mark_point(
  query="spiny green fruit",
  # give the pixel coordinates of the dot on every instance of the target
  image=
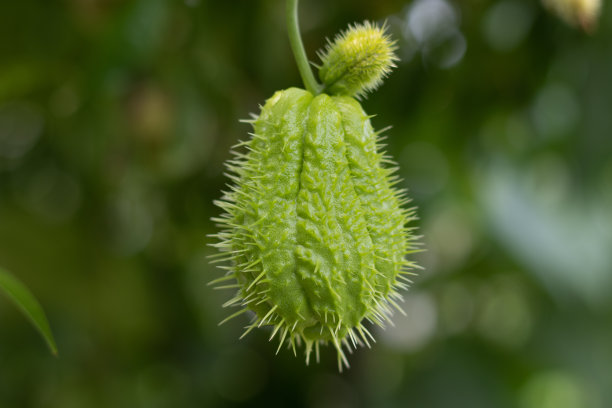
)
(314, 230)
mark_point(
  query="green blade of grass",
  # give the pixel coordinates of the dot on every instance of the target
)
(27, 303)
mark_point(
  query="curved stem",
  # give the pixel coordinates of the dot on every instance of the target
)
(297, 47)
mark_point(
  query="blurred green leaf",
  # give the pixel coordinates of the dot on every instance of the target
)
(23, 298)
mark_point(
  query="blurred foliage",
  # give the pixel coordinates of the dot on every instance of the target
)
(20, 295)
(115, 120)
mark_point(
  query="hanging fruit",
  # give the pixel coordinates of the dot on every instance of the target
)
(315, 233)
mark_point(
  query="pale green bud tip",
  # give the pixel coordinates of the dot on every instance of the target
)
(357, 60)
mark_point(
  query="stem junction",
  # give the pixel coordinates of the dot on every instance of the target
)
(297, 47)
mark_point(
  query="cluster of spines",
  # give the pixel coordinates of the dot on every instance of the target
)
(386, 302)
(248, 276)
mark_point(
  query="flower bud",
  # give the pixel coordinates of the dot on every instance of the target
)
(357, 60)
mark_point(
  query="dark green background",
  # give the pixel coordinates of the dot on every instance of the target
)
(116, 118)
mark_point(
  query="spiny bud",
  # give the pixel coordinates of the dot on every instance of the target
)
(357, 60)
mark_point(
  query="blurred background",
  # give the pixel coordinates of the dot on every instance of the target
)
(116, 118)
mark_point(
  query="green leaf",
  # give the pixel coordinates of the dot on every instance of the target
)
(23, 298)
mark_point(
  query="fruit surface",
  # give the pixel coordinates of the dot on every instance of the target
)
(314, 231)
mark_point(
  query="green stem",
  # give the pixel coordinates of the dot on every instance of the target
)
(297, 47)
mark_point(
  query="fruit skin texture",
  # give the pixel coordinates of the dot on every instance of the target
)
(314, 229)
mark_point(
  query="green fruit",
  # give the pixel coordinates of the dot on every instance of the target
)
(314, 229)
